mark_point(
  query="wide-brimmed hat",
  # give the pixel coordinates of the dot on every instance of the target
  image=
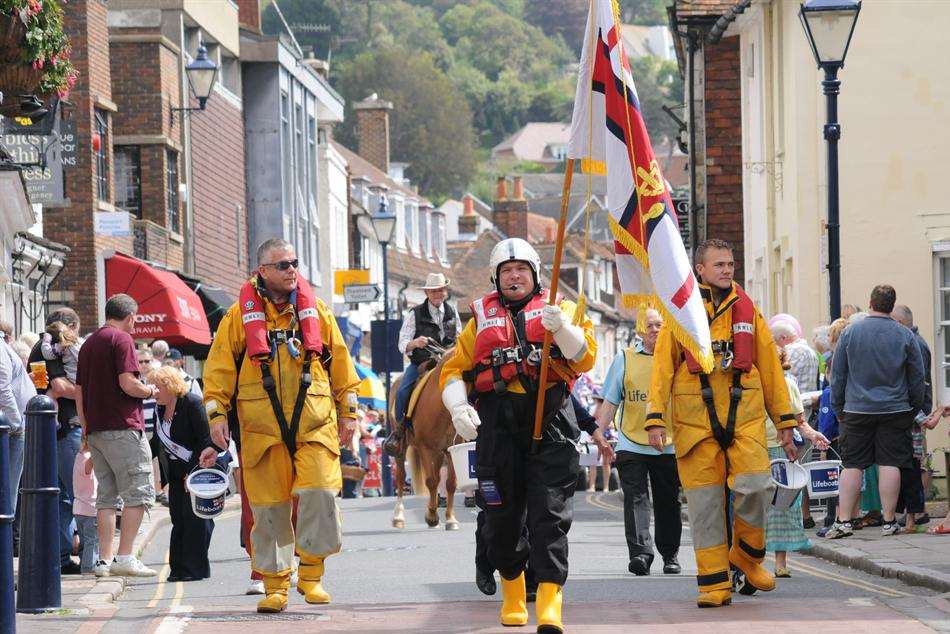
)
(434, 281)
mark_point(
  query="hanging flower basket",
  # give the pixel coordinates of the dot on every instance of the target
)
(34, 51)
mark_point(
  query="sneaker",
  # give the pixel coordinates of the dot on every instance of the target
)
(890, 528)
(839, 530)
(102, 569)
(256, 587)
(131, 567)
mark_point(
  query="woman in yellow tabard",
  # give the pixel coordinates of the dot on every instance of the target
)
(719, 427)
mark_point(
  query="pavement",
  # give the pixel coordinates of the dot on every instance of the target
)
(918, 559)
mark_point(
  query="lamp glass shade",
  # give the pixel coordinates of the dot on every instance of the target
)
(384, 224)
(829, 25)
(201, 75)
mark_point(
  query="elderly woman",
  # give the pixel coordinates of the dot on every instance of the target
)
(181, 426)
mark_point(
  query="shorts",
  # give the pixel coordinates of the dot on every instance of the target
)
(881, 439)
(122, 461)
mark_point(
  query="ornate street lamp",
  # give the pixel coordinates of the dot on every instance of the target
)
(384, 224)
(201, 73)
(828, 26)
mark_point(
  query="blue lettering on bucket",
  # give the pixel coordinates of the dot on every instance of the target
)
(471, 464)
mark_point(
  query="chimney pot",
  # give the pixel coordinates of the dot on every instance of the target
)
(468, 206)
(519, 189)
(502, 188)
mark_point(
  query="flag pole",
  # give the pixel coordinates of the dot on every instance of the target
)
(552, 299)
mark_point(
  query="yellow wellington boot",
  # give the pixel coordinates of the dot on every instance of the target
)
(514, 611)
(755, 573)
(308, 581)
(714, 598)
(548, 608)
(275, 591)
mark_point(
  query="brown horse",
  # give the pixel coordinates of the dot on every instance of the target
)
(426, 443)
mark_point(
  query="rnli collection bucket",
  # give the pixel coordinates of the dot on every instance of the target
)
(823, 476)
(789, 479)
(463, 459)
(208, 489)
(589, 454)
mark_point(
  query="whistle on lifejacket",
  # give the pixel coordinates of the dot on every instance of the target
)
(293, 347)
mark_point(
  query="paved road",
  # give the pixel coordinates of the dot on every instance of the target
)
(421, 580)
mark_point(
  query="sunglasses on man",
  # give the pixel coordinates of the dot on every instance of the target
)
(283, 265)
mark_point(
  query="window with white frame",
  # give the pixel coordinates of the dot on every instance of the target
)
(286, 165)
(424, 247)
(314, 241)
(412, 241)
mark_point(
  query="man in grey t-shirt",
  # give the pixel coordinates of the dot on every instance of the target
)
(877, 387)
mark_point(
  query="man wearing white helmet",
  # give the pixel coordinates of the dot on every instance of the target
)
(498, 356)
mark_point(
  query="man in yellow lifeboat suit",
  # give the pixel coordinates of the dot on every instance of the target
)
(719, 427)
(499, 352)
(296, 453)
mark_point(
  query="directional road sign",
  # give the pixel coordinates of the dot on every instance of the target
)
(356, 293)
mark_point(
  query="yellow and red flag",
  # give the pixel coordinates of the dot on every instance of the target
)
(608, 136)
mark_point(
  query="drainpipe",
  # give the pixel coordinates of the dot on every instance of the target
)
(188, 224)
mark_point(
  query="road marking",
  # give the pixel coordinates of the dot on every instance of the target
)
(160, 587)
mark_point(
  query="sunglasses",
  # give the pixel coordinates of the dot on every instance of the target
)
(283, 265)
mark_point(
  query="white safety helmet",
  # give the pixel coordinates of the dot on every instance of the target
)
(514, 249)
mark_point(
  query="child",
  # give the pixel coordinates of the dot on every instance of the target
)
(60, 343)
(84, 508)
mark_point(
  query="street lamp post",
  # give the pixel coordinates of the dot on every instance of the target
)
(829, 25)
(384, 224)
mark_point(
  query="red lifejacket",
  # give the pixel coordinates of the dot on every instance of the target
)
(255, 323)
(743, 335)
(495, 331)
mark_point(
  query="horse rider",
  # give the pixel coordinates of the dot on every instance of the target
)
(280, 359)
(644, 452)
(432, 325)
(499, 352)
(718, 423)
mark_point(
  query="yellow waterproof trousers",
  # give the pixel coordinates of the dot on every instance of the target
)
(704, 472)
(313, 476)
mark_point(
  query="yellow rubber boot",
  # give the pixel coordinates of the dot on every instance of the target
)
(747, 553)
(514, 610)
(275, 591)
(548, 608)
(714, 598)
(308, 581)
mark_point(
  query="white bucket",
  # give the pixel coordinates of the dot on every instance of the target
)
(463, 459)
(589, 454)
(208, 489)
(789, 479)
(823, 477)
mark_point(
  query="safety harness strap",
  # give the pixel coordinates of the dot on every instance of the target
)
(288, 432)
(724, 436)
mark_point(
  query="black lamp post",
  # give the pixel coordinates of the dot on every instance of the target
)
(384, 224)
(201, 74)
(829, 25)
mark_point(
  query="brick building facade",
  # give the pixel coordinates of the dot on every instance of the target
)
(87, 184)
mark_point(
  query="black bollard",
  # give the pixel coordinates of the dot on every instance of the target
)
(7, 613)
(38, 589)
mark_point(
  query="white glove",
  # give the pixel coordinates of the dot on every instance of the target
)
(553, 318)
(464, 417)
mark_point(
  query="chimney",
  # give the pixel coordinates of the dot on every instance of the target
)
(319, 66)
(249, 14)
(468, 221)
(468, 206)
(372, 131)
(550, 234)
(511, 215)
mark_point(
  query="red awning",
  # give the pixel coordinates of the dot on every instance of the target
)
(168, 309)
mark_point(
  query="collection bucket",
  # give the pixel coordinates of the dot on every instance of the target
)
(463, 459)
(589, 454)
(823, 476)
(789, 479)
(208, 489)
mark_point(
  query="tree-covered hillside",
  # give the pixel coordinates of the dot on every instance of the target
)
(462, 74)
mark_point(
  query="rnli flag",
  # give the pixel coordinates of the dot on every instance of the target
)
(608, 137)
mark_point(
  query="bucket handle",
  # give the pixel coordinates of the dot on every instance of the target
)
(830, 448)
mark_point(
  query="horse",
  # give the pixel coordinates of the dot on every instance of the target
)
(426, 443)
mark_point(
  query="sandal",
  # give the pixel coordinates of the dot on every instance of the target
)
(870, 521)
(939, 529)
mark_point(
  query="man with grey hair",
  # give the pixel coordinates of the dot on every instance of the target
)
(109, 399)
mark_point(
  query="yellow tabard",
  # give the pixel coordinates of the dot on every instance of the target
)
(637, 368)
